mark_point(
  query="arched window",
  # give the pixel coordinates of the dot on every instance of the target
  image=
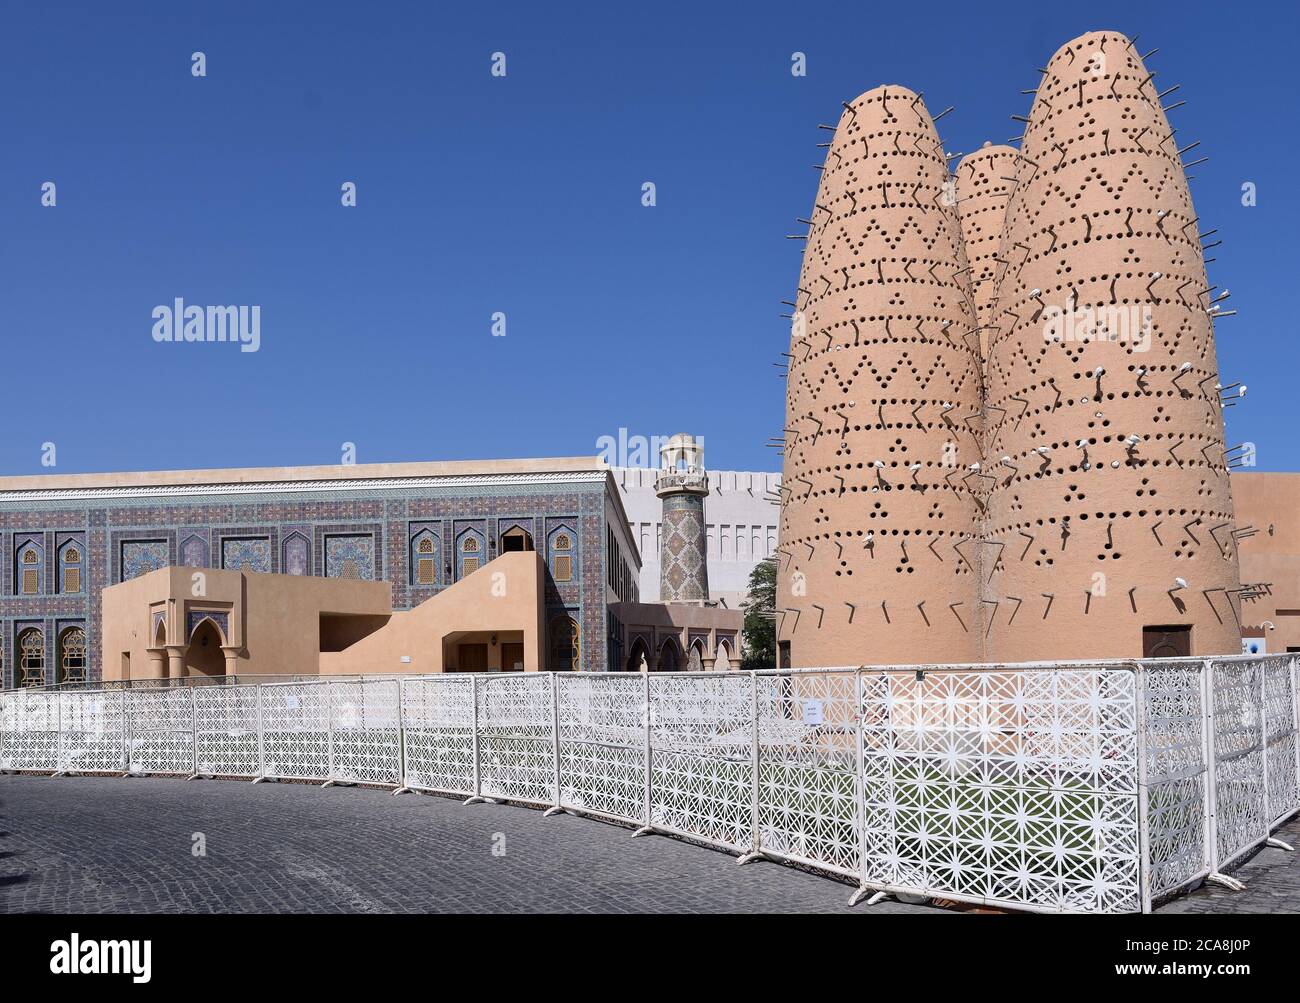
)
(31, 658)
(70, 563)
(516, 538)
(469, 553)
(194, 553)
(638, 657)
(30, 570)
(424, 558)
(294, 557)
(566, 645)
(696, 661)
(72, 656)
(562, 554)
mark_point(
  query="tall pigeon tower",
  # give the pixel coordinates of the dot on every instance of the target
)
(1110, 515)
(878, 557)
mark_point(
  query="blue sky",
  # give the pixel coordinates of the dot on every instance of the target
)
(521, 195)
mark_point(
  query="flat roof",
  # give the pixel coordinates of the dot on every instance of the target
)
(323, 472)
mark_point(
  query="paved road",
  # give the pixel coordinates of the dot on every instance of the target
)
(91, 844)
(95, 844)
(1271, 876)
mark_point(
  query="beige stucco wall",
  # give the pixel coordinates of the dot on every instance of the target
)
(1269, 504)
(274, 619)
(502, 598)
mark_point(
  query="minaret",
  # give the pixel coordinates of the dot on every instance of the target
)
(683, 557)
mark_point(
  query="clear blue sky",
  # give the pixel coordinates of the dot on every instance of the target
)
(523, 195)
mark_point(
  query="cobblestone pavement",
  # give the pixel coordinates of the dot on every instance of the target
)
(95, 844)
(1271, 877)
(98, 844)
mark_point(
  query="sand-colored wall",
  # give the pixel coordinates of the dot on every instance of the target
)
(1268, 513)
(503, 597)
(274, 620)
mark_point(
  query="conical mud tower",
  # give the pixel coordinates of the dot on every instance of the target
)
(878, 557)
(1004, 435)
(1111, 513)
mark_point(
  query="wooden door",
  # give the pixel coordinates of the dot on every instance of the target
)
(512, 656)
(473, 658)
(1166, 642)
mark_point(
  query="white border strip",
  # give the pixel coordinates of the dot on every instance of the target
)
(297, 487)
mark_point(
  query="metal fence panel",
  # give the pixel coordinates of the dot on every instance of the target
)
(1008, 787)
(365, 729)
(1074, 787)
(602, 743)
(226, 736)
(1177, 823)
(701, 761)
(1283, 790)
(296, 731)
(808, 798)
(92, 732)
(517, 738)
(1240, 804)
(438, 729)
(31, 732)
(160, 730)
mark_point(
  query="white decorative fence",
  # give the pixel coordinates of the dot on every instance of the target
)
(1072, 787)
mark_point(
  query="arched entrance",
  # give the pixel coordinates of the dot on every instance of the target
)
(638, 657)
(669, 656)
(566, 645)
(31, 658)
(695, 663)
(204, 656)
(72, 656)
(723, 663)
(514, 539)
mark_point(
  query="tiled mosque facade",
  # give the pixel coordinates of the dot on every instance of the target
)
(66, 539)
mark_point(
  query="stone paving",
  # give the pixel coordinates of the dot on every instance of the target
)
(96, 845)
(1271, 876)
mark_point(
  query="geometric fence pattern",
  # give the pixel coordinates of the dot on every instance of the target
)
(1066, 788)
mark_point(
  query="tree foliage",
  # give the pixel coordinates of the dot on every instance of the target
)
(760, 617)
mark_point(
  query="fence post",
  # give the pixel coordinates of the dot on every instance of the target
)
(555, 741)
(261, 741)
(58, 731)
(755, 840)
(646, 828)
(1295, 712)
(401, 739)
(477, 796)
(329, 732)
(1144, 827)
(194, 735)
(859, 790)
(1262, 669)
(126, 734)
